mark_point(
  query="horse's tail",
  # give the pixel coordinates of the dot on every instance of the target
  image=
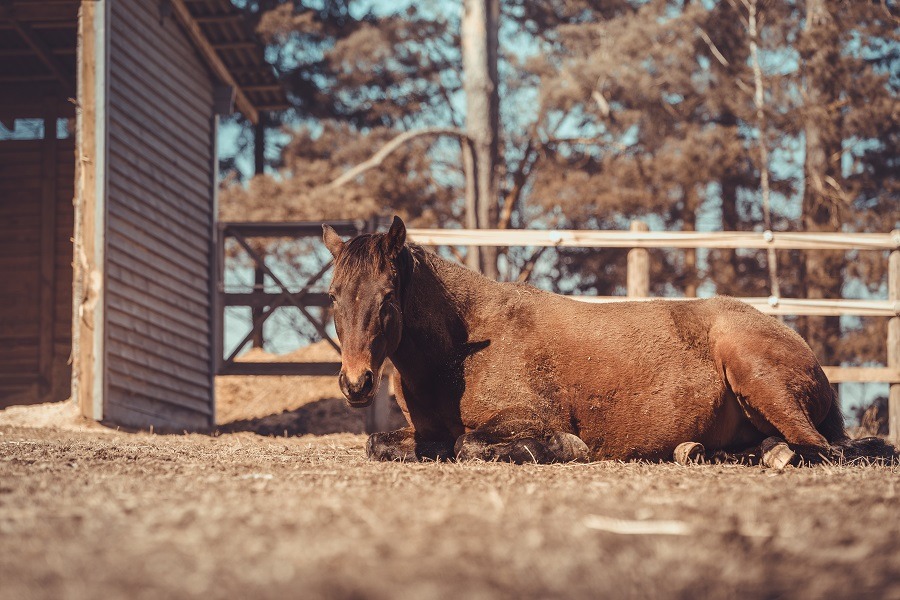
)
(845, 448)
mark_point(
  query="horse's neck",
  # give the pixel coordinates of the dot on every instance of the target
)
(437, 305)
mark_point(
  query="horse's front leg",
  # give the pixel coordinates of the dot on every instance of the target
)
(531, 445)
(405, 445)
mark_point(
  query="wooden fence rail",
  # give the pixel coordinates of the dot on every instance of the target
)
(657, 239)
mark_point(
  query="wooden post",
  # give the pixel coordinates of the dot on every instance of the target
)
(259, 276)
(259, 279)
(378, 415)
(88, 294)
(893, 348)
(638, 273)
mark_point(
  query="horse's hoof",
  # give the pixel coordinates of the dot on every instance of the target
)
(689, 453)
(568, 447)
(776, 454)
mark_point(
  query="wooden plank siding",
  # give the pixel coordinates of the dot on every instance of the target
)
(159, 211)
(22, 316)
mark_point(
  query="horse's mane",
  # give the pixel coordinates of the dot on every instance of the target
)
(365, 254)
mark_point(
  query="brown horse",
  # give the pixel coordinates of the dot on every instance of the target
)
(503, 371)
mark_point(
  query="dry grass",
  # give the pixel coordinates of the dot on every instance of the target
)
(88, 514)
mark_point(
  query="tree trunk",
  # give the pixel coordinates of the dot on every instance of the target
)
(689, 223)
(479, 33)
(820, 211)
(763, 132)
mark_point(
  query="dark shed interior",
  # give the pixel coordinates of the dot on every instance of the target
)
(37, 166)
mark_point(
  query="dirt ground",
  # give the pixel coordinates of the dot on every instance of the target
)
(94, 513)
(89, 512)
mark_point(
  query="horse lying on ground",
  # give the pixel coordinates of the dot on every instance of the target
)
(502, 371)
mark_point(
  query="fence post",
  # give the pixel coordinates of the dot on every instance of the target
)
(638, 274)
(256, 313)
(379, 413)
(893, 348)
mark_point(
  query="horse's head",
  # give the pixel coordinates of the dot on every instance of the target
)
(365, 291)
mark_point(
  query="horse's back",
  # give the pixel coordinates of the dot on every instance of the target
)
(637, 378)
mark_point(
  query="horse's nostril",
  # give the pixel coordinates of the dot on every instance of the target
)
(368, 382)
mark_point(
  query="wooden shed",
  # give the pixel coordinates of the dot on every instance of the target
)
(108, 177)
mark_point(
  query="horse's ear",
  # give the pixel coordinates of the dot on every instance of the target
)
(395, 238)
(332, 240)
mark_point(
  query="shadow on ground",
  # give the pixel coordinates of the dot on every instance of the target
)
(329, 415)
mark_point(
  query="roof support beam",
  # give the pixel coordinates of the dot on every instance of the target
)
(44, 52)
(212, 58)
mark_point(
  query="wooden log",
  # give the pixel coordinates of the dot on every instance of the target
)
(893, 348)
(638, 271)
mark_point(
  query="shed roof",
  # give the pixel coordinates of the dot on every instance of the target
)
(41, 49)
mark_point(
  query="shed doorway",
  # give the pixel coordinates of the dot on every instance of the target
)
(37, 181)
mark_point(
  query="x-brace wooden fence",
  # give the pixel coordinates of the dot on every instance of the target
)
(263, 304)
(638, 240)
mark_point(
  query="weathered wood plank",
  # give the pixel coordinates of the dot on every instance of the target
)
(139, 24)
(128, 183)
(162, 367)
(179, 159)
(143, 271)
(323, 369)
(131, 63)
(142, 215)
(862, 374)
(170, 254)
(131, 411)
(160, 387)
(193, 356)
(656, 239)
(176, 324)
(264, 299)
(178, 182)
(147, 322)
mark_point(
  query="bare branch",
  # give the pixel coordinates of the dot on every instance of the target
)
(712, 47)
(528, 267)
(526, 165)
(379, 157)
(602, 103)
(743, 86)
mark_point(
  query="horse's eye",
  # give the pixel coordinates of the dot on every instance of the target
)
(389, 297)
(331, 296)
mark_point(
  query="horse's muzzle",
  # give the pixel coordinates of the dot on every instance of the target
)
(361, 392)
